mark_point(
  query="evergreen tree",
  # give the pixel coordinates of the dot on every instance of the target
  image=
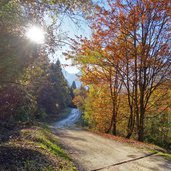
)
(55, 94)
(73, 85)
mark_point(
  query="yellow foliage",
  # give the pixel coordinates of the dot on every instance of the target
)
(98, 108)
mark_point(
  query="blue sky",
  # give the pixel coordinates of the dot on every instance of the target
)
(71, 30)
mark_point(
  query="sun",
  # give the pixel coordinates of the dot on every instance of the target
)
(36, 34)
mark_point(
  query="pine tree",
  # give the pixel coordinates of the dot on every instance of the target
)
(73, 85)
(55, 95)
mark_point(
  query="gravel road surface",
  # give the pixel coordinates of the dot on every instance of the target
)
(93, 152)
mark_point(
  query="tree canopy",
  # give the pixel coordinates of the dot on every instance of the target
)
(128, 57)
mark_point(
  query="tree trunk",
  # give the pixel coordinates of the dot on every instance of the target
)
(114, 98)
(130, 126)
(141, 134)
(141, 123)
(112, 126)
(114, 123)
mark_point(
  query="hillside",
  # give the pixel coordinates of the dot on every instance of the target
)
(70, 77)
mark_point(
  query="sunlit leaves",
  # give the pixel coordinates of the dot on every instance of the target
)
(98, 112)
(129, 53)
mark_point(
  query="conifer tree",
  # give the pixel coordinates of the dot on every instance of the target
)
(74, 85)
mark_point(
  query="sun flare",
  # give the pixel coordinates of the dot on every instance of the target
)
(36, 34)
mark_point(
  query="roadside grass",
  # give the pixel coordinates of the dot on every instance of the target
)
(34, 149)
(165, 155)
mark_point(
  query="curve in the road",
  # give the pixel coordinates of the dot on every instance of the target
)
(70, 120)
(93, 152)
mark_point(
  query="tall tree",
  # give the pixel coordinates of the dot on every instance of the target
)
(135, 36)
(73, 86)
(22, 62)
(54, 95)
(146, 27)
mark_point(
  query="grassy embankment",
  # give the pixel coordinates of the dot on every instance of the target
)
(32, 148)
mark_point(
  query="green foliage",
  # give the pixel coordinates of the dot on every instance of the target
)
(24, 67)
(54, 95)
(41, 114)
(16, 104)
(158, 130)
(166, 155)
(12, 51)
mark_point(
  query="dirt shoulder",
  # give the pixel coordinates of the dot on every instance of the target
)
(132, 142)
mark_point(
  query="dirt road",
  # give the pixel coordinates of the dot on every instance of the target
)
(93, 152)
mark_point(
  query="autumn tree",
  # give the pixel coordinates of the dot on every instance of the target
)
(98, 108)
(97, 70)
(131, 39)
(146, 29)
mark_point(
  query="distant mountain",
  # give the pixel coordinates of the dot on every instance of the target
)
(72, 77)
